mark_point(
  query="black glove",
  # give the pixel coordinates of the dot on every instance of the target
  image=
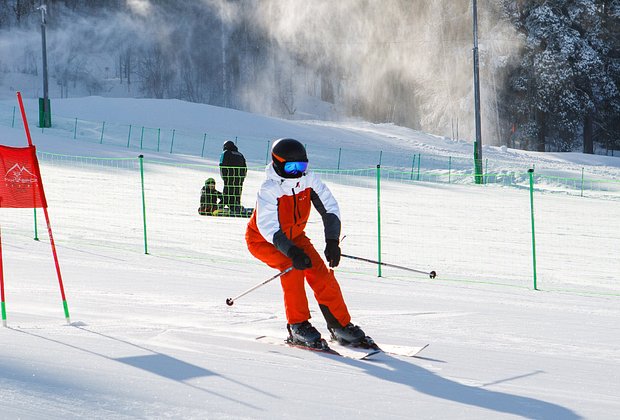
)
(301, 261)
(332, 252)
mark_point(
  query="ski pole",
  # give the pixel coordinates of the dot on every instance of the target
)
(231, 301)
(431, 274)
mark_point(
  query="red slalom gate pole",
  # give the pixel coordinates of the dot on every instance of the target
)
(47, 218)
(3, 309)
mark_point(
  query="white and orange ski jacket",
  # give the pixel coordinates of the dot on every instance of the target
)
(283, 207)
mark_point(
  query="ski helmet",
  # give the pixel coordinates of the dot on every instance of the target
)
(229, 145)
(210, 181)
(289, 158)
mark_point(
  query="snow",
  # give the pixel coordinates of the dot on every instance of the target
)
(152, 337)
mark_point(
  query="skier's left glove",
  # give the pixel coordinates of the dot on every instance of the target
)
(332, 252)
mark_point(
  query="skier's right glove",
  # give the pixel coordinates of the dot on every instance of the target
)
(300, 259)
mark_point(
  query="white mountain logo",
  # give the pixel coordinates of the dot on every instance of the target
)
(20, 175)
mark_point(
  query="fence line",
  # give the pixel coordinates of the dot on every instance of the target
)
(131, 192)
(207, 145)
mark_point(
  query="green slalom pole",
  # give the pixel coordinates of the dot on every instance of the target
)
(531, 173)
(419, 161)
(379, 220)
(141, 157)
(102, 131)
(36, 234)
(129, 136)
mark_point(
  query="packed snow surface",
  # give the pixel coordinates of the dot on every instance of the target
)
(151, 336)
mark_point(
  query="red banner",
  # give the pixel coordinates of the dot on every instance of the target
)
(20, 178)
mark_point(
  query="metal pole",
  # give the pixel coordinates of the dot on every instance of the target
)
(431, 274)
(46, 111)
(379, 220)
(231, 301)
(478, 143)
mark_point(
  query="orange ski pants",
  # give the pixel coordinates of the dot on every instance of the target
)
(319, 277)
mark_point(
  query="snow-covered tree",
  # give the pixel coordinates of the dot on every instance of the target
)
(563, 86)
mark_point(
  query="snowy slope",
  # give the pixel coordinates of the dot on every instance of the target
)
(151, 336)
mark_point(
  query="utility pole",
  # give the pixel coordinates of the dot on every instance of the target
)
(45, 113)
(478, 143)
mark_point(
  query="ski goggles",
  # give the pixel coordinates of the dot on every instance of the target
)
(294, 168)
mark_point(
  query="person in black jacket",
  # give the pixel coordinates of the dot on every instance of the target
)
(233, 170)
(210, 198)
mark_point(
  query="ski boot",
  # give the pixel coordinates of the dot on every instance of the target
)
(305, 334)
(352, 335)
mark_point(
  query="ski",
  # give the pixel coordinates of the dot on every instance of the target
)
(405, 351)
(337, 349)
(391, 349)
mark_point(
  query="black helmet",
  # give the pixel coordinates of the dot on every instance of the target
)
(229, 145)
(289, 151)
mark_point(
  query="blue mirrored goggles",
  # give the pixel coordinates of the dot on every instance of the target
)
(294, 168)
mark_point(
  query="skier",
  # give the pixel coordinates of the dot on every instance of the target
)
(275, 235)
(233, 170)
(210, 198)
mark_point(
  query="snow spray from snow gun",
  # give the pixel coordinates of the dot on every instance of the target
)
(432, 274)
(231, 301)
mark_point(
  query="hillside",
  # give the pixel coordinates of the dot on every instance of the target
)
(152, 337)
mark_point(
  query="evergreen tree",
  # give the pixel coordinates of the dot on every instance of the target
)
(563, 86)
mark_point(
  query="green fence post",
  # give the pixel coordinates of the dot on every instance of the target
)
(339, 155)
(158, 138)
(267, 156)
(204, 140)
(531, 173)
(419, 160)
(36, 233)
(486, 172)
(172, 142)
(13, 122)
(582, 181)
(141, 137)
(75, 130)
(379, 220)
(449, 169)
(380, 156)
(141, 157)
(412, 168)
(129, 136)
(102, 130)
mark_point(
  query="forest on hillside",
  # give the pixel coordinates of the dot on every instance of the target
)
(549, 69)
